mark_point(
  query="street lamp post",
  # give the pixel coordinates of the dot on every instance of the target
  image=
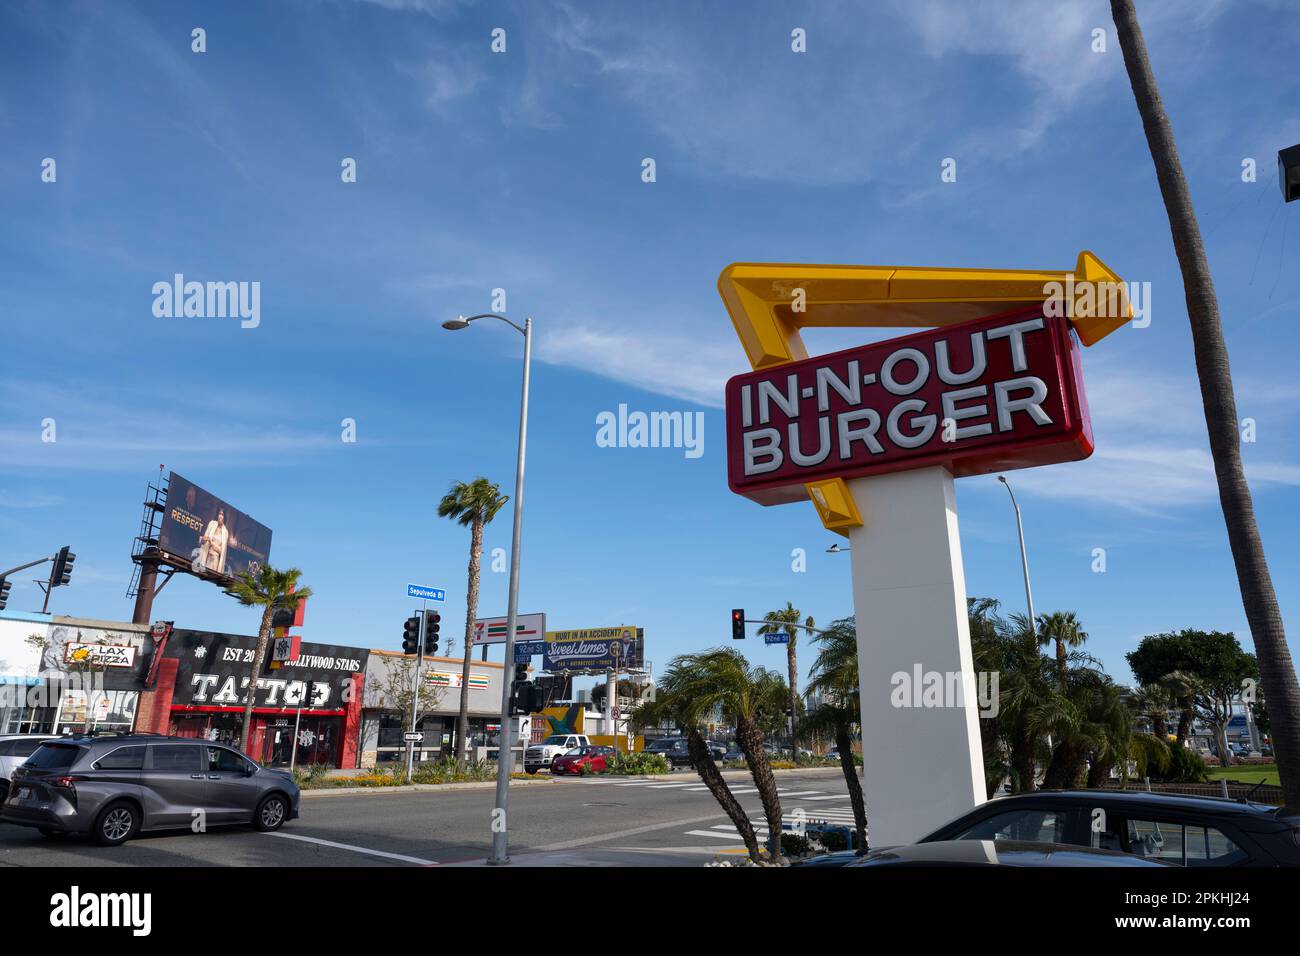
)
(1024, 557)
(500, 834)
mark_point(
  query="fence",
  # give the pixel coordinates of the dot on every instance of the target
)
(1229, 789)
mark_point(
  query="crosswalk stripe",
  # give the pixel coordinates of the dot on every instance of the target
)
(838, 796)
(801, 793)
(667, 786)
(714, 833)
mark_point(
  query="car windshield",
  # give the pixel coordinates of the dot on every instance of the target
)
(53, 757)
(558, 741)
(575, 752)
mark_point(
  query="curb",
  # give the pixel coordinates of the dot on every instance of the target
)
(414, 787)
(491, 784)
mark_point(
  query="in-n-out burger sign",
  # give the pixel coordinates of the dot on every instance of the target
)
(986, 395)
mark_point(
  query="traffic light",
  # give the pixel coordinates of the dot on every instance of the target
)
(62, 572)
(521, 673)
(432, 625)
(4, 592)
(411, 635)
(738, 624)
(526, 698)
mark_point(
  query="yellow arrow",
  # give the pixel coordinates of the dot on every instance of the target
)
(770, 302)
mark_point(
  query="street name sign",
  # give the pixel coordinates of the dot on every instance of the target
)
(781, 637)
(425, 593)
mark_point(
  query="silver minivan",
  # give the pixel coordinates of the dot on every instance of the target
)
(111, 788)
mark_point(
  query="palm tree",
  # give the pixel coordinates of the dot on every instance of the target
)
(676, 703)
(1061, 628)
(750, 699)
(473, 505)
(1277, 673)
(1183, 686)
(834, 678)
(1029, 697)
(1153, 701)
(788, 621)
(272, 591)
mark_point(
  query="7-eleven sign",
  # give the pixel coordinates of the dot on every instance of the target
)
(492, 630)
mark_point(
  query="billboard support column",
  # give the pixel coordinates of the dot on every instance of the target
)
(922, 759)
(145, 592)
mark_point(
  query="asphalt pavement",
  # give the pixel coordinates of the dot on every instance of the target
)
(583, 821)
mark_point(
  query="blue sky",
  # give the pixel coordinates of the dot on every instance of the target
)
(522, 171)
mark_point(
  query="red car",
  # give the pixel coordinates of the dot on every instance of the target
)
(593, 758)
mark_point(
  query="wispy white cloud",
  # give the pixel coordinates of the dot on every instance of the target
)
(664, 363)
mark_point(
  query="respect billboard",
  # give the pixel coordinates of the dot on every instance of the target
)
(593, 648)
(203, 532)
(987, 395)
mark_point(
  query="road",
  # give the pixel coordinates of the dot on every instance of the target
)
(433, 827)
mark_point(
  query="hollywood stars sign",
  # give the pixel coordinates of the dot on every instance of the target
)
(875, 435)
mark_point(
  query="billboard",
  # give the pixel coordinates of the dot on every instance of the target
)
(987, 395)
(207, 535)
(593, 648)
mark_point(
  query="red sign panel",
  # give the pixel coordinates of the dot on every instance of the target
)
(988, 395)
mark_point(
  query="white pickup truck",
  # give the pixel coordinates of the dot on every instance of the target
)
(539, 756)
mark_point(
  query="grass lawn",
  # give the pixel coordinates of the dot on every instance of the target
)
(1266, 772)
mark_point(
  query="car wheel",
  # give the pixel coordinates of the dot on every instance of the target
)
(116, 824)
(532, 771)
(271, 813)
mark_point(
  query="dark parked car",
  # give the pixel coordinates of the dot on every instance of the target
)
(677, 752)
(999, 853)
(1188, 831)
(111, 788)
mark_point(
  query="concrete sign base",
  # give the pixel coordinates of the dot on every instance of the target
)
(923, 764)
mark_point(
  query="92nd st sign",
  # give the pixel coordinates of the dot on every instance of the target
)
(987, 395)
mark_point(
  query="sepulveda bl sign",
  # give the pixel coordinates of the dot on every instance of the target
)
(987, 395)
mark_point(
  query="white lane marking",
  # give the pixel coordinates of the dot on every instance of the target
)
(714, 833)
(667, 786)
(802, 793)
(837, 796)
(354, 849)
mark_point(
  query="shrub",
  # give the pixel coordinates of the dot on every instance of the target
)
(832, 841)
(637, 763)
(795, 844)
(1185, 766)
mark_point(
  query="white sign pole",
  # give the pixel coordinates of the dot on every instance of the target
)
(923, 765)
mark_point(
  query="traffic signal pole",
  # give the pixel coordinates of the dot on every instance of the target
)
(415, 698)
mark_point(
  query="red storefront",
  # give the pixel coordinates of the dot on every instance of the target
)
(307, 712)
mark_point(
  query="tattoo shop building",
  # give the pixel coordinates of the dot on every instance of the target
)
(198, 690)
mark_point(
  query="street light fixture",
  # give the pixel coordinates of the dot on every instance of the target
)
(500, 836)
(1024, 557)
(836, 549)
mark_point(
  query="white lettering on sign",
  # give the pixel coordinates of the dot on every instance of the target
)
(908, 424)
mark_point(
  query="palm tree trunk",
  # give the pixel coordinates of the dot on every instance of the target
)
(844, 744)
(708, 772)
(1159, 729)
(1277, 673)
(1023, 765)
(1061, 667)
(259, 661)
(471, 615)
(750, 740)
(1184, 722)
